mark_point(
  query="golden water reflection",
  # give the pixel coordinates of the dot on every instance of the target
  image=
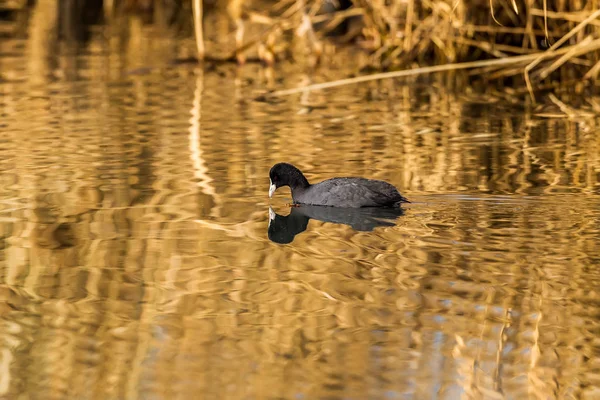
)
(135, 259)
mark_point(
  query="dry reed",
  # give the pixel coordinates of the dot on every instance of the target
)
(526, 42)
(522, 44)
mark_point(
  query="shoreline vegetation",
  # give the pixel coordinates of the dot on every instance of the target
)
(526, 42)
(531, 46)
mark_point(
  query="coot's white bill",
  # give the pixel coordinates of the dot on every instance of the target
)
(271, 188)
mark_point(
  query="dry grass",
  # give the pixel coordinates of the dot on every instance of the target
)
(532, 44)
(527, 42)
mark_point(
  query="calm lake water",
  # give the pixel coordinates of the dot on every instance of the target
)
(139, 258)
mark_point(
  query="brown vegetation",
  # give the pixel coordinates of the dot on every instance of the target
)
(532, 41)
(519, 43)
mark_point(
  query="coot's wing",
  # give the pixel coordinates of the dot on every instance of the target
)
(380, 194)
(384, 193)
(355, 192)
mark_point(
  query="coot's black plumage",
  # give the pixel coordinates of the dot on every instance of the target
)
(335, 192)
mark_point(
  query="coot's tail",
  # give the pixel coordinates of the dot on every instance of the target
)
(398, 203)
(403, 200)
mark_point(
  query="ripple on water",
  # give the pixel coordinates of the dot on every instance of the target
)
(135, 258)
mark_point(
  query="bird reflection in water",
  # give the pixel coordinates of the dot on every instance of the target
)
(283, 229)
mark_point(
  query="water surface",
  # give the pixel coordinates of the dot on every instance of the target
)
(135, 251)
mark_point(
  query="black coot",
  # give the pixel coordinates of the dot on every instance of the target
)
(335, 192)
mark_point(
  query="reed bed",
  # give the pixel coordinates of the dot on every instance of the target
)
(524, 44)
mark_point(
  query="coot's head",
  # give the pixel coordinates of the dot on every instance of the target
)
(284, 174)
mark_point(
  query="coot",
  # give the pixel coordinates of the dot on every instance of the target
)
(335, 192)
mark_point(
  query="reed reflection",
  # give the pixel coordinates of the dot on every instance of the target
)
(283, 229)
(133, 260)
